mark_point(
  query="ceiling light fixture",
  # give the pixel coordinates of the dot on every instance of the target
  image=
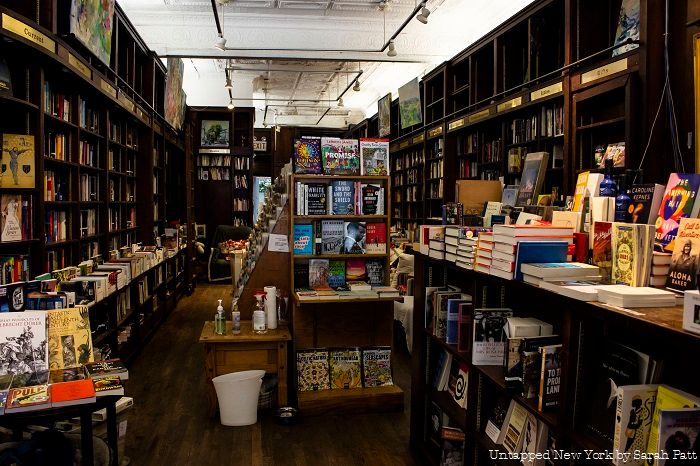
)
(340, 102)
(392, 49)
(230, 104)
(356, 87)
(423, 15)
(220, 42)
(229, 84)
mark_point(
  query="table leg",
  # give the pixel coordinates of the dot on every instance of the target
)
(86, 438)
(112, 432)
(209, 364)
(282, 374)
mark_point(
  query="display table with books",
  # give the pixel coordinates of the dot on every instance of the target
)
(246, 351)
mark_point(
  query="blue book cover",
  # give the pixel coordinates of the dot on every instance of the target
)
(453, 319)
(537, 252)
(343, 197)
(303, 240)
(336, 274)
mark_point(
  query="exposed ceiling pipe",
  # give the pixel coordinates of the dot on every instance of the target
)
(216, 17)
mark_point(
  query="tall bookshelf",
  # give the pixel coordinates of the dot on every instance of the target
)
(340, 322)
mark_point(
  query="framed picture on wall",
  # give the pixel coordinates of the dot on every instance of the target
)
(384, 115)
(215, 133)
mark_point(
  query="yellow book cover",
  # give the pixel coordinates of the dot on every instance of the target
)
(624, 240)
(580, 191)
(346, 367)
(17, 162)
(70, 340)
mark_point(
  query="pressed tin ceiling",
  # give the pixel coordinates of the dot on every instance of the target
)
(291, 59)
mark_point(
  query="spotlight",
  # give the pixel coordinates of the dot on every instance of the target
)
(230, 104)
(356, 87)
(423, 15)
(392, 49)
(340, 102)
(220, 42)
(228, 85)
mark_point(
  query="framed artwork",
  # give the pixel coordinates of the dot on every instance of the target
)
(384, 105)
(215, 133)
(91, 22)
(174, 95)
(409, 104)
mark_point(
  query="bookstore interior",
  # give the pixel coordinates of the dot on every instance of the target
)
(479, 215)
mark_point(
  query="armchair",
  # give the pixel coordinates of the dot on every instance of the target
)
(218, 268)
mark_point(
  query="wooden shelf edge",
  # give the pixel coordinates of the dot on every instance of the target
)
(358, 400)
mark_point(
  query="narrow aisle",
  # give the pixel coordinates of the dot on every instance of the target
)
(168, 423)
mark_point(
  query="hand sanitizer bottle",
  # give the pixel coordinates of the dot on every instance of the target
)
(235, 317)
(259, 317)
(220, 320)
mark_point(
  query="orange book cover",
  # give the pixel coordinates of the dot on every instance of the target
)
(72, 393)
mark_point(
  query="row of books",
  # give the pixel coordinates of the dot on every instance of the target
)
(124, 134)
(329, 274)
(89, 187)
(339, 197)
(56, 104)
(408, 160)
(548, 123)
(214, 160)
(56, 146)
(343, 368)
(335, 156)
(345, 292)
(339, 237)
(89, 117)
(88, 222)
(240, 182)
(87, 153)
(213, 174)
(14, 268)
(56, 226)
(114, 163)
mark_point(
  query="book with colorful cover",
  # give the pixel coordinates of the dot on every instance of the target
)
(624, 252)
(532, 177)
(340, 156)
(602, 249)
(550, 377)
(30, 398)
(313, 371)
(683, 271)
(646, 199)
(375, 272)
(23, 343)
(303, 239)
(18, 156)
(634, 412)
(109, 385)
(336, 274)
(345, 368)
(318, 273)
(375, 238)
(679, 435)
(376, 366)
(307, 155)
(342, 197)
(370, 198)
(375, 156)
(67, 374)
(356, 270)
(109, 367)
(678, 202)
(316, 199)
(332, 234)
(70, 340)
(72, 393)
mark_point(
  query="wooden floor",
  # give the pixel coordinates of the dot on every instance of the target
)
(168, 424)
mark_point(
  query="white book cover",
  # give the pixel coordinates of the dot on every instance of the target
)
(488, 345)
(635, 409)
(23, 344)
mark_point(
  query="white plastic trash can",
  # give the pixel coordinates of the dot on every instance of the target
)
(238, 394)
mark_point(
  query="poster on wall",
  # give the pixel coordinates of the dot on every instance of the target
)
(175, 97)
(215, 133)
(91, 22)
(17, 161)
(384, 115)
(409, 104)
(627, 26)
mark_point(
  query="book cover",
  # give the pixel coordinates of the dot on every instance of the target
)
(683, 271)
(72, 393)
(679, 434)
(316, 199)
(313, 371)
(461, 387)
(301, 275)
(550, 378)
(99, 369)
(333, 233)
(497, 417)
(678, 202)
(70, 340)
(530, 440)
(318, 273)
(30, 398)
(370, 198)
(488, 341)
(452, 446)
(667, 398)
(532, 177)
(345, 368)
(11, 217)
(624, 251)
(537, 252)
(453, 306)
(336, 274)
(109, 385)
(374, 272)
(12, 297)
(616, 153)
(340, 156)
(23, 344)
(375, 238)
(580, 191)
(355, 270)
(354, 240)
(440, 323)
(342, 197)
(67, 375)
(646, 199)
(512, 437)
(602, 249)
(303, 239)
(634, 412)
(18, 156)
(307, 155)
(376, 366)
(375, 156)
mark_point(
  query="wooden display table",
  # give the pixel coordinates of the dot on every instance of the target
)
(246, 351)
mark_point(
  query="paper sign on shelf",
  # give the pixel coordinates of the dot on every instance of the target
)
(278, 243)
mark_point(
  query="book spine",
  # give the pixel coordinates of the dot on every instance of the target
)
(619, 415)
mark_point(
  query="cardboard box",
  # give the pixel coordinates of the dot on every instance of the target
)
(474, 193)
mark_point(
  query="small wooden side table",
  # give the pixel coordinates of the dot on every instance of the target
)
(246, 351)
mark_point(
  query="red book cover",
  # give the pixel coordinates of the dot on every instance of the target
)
(110, 385)
(375, 238)
(72, 393)
(602, 249)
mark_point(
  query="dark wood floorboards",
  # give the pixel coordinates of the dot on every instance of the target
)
(168, 424)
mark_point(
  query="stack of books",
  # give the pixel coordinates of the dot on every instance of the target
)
(452, 234)
(635, 296)
(535, 274)
(660, 265)
(467, 247)
(437, 248)
(484, 248)
(506, 240)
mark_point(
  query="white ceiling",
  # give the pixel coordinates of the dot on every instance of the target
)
(291, 59)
